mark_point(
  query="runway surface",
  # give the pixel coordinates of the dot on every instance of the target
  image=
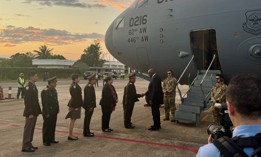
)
(176, 140)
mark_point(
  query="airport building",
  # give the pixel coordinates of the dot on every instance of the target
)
(108, 66)
(53, 63)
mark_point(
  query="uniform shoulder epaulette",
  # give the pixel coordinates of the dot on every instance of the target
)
(73, 85)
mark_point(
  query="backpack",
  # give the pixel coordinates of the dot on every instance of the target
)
(234, 147)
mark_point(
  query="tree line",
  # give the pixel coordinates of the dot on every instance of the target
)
(90, 57)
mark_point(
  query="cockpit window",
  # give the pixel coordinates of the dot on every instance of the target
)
(119, 23)
(139, 3)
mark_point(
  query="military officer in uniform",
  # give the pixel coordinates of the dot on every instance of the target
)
(169, 90)
(129, 98)
(89, 103)
(218, 96)
(74, 104)
(31, 111)
(50, 109)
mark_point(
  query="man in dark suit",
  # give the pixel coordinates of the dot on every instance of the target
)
(31, 111)
(130, 96)
(155, 98)
(89, 103)
(50, 110)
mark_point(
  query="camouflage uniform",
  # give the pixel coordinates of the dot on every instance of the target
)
(169, 89)
(218, 96)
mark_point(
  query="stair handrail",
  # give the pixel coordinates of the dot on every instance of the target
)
(181, 97)
(211, 77)
(206, 97)
(186, 68)
(206, 75)
(189, 87)
(208, 69)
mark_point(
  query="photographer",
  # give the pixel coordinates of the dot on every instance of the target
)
(244, 105)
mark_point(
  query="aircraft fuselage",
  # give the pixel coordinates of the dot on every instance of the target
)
(165, 34)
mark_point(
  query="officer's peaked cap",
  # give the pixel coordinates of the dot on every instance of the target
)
(91, 76)
(132, 75)
(51, 79)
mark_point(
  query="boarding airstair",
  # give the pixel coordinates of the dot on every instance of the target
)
(197, 97)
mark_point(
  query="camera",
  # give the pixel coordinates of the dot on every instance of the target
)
(217, 131)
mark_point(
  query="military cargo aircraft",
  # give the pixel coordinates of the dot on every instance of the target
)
(165, 34)
(194, 38)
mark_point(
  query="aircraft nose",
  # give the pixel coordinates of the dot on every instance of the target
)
(109, 39)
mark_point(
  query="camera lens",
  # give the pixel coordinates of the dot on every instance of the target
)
(213, 128)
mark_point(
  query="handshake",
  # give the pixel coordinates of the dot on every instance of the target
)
(142, 94)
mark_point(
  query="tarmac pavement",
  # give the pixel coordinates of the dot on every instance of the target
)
(174, 139)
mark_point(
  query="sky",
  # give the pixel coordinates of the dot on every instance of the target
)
(66, 26)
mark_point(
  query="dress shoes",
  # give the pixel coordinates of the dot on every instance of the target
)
(34, 147)
(53, 141)
(47, 143)
(110, 129)
(130, 127)
(106, 130)
(153, 128)
(90, 134)
(166, 119)
(72, 138)
(28, 150)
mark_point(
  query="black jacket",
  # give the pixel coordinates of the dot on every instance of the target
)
(155, 93)
(89, 97)
(107, 97)
(50, 102)
(31, 101)
(130, 95)
(76, 96)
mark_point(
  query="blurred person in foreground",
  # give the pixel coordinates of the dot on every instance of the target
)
(243, 98)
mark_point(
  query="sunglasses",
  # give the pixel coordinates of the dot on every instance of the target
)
(217, 78)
